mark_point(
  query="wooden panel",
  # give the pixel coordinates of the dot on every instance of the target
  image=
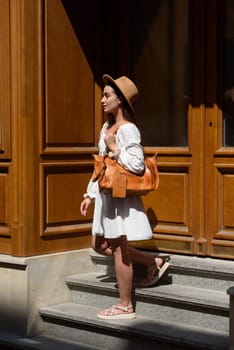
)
(228, 202)
(225, 220)
(197, 45)
(222, 249)
(5, 79)
(64, 193)
(172, 198)
(2, 198)
(62, 190)
(4, 202)
(69, 89)
(4, 113)
(168, 207)
(25, 108)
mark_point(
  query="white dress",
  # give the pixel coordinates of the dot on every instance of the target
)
(115, 217)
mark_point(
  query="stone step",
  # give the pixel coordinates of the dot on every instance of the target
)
(10, 342)
(78, 322)
(207, 273)
(167, 302)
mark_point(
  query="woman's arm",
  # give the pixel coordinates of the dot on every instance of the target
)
(130, 151)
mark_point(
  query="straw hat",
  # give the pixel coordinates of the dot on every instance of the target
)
(127, 88)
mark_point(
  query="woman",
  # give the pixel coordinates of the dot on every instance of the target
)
(119, 220)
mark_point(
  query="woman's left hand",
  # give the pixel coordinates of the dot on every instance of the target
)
(110, 140)
(84, 206)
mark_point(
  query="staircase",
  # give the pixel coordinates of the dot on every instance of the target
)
(187, 309)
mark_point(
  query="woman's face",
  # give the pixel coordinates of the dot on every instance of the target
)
(110, 101)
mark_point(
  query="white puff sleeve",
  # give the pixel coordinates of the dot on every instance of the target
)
(92, 189)
(131, 153)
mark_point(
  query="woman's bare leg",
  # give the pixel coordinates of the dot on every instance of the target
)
(102, 246)
(152, 263)
(140, 257)
(123, 269)
(124, 276)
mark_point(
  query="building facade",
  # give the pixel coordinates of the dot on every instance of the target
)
(53, 55)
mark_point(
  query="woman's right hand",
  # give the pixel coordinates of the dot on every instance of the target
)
(84, 206)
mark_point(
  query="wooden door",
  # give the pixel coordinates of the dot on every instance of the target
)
(192, 212)
(219, 131)
(53, 54)
(51, 117)
(175, 57)
(169, 68)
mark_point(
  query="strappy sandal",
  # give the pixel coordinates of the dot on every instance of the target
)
(113, 314)
(152, 278)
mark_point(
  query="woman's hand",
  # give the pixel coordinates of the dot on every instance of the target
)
(84, 206)
(110, 140)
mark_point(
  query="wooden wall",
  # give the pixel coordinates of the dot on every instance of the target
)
(48, 122)
(52, 54)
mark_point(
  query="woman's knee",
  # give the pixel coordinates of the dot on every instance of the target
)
(120, 249)
(95, 244)
(100, 244)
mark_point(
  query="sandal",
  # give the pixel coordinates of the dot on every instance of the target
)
(154, 274)
(114, 314)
